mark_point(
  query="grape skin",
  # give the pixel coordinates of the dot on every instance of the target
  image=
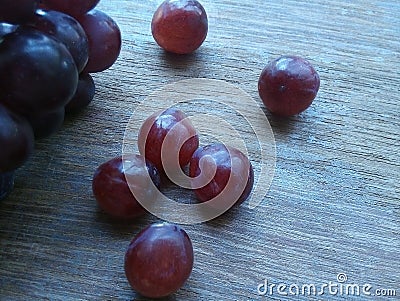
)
(288, 85)
(17, 11)
(75, 8)
(65, 29)
(159, 260)
(180, 26)
(104, 38)
(84, 94)
(152, 134)
(222, 156)
(16, 139)
(114, 194)
(37, 72)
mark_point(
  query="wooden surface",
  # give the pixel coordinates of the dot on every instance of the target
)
(334, 203)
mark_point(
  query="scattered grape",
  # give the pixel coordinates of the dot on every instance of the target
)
(180, 26)
(227, 162)
(114, 194)
(182, 139)
(159, 260)
(288, 85)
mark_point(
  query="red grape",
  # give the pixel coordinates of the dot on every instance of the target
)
(159, 260)
(37, 72)
(113, 193)
(73, 8)
(46, 123)
(84, 94)
(6, 183)
(228, 163)
(67, 30)
(288, 85)
(180, 26)
(104, 40)
(180, 144)
(17, 11)
(16, 140)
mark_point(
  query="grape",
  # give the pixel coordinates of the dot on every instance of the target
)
(180, 26)
(46, 123)
(67, 30)
(36, 72)
(112, 192)
(17, 11)
(73, 8)
(288, 85)
(229, 162)
(159, 260)
(6, 28)
(104, 40)
(6, 183)
(84, 94)
(16, 140)
(182, 139)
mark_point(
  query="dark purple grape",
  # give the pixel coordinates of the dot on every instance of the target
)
(6, 184)
(6, 28)
(16, 140)
(17, 11)
(46, 123)
(159, 260)
(73, 8)
(104, 40)
(37, 72)
(65, 29)
(84, 94)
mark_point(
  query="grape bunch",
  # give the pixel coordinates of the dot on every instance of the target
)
(48, 50)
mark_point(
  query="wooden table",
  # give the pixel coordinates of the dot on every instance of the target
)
(333, 206)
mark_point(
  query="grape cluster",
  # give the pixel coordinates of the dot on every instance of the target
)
(48, 49)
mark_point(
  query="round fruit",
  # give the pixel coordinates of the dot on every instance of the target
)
(37, 72)
(84, 94)
(104, 38)
(159, 260)
(180, 26)
(288, 85)
(16, 140)
(168, 139)
(119, 182)
(73, 8)
(44, 123)
(212, 166)
(65, 29)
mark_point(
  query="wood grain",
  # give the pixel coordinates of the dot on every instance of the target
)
(334, 203)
